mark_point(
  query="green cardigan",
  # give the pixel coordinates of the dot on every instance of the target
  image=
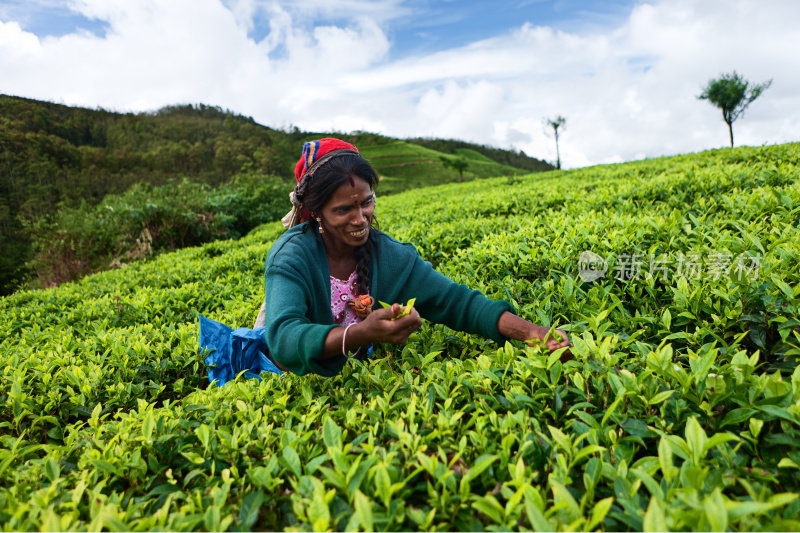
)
(298, 302)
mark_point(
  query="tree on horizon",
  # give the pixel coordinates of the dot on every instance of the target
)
(458, 164)
(555, 123)
(732, 94)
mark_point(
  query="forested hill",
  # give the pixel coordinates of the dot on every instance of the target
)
(77, 153)
(55, 158)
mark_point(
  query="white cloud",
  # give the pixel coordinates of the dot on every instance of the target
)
(456, 109)
(13, 36)
(627, 92)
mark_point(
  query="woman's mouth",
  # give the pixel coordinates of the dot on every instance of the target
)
(359, 233)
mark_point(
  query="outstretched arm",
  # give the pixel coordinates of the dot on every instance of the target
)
(514, 327)
(379, 327)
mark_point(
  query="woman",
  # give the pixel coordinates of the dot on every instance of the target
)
(323, 273)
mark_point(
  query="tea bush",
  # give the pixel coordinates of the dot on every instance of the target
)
(680, 409)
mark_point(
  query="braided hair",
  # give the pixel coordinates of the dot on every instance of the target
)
(312, 193)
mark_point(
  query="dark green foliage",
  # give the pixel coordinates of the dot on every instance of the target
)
(459, 164)
(13, 250)
(147, 219)
(732, 94)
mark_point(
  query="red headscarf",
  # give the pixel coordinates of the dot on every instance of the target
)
(313, 152)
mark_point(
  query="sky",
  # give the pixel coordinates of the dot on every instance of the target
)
(624, 73)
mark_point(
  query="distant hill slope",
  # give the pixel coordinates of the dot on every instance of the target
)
(54, 156)
(411, 163)
(406, 165)
(475, 151)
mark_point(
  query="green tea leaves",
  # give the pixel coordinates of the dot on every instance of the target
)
(406, 309)
(364, 511)
(292, 461)
(248, 512)
(655, 518)
(332, 434)
(679, 409)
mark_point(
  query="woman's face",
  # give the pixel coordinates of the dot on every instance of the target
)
(347, 215)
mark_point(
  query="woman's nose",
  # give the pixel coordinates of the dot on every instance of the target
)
(360, 216)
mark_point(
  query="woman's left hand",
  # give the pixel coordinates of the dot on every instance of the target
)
(553, 340)
(514, 327)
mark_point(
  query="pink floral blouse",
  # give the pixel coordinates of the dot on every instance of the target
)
(341, 292)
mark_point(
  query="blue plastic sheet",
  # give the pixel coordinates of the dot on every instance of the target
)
(232, 351)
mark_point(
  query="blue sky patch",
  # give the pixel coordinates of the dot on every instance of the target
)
(49, 18)
(429, 26)
(440, 25)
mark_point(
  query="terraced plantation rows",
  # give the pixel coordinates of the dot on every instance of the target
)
(680, 409)
(404, 165)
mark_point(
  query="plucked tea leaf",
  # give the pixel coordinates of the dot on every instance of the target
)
(783, 286)
(319, 513)
(737, 509)
(211, 519)
(660, 397)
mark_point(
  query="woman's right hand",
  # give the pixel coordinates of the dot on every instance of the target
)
(379, 325)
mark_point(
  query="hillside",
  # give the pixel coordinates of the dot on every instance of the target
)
(469, 150)
(679, 411)
(404, 165)
(56, 157)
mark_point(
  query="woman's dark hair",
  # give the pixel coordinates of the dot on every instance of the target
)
(315, 191)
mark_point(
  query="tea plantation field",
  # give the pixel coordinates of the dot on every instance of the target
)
(680, 409)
